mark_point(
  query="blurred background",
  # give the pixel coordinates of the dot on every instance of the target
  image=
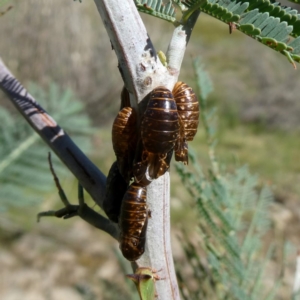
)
(65, 43)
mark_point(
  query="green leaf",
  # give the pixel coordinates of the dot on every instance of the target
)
(224, 254)
(157, 8)
(144, 279)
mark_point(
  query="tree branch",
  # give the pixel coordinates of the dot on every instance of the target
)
(139, 66)
(141, 71)
(89, 176)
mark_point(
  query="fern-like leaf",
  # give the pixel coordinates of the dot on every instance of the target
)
(276, 10)
(266, 21)
(232, 221)
(226, 11)
(157, 8)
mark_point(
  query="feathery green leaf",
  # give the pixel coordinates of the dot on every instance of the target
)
(157, 8)
(233, 218)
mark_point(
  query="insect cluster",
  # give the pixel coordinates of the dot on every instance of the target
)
(168, 123)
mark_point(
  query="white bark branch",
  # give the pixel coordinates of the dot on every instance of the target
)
(139, 66)
(158, 252)
(141, 71)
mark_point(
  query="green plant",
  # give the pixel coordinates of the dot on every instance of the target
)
(226, 251)
(268, 22)
(141, 72)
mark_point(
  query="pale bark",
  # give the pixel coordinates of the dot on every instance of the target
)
(141, 71)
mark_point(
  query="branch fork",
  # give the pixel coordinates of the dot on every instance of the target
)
(141, 71)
